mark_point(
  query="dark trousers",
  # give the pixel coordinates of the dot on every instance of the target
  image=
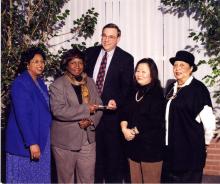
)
(111, 164)
(189, 176)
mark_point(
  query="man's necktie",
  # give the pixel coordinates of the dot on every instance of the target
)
(101, 74)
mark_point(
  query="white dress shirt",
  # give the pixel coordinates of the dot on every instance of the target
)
(98, 63)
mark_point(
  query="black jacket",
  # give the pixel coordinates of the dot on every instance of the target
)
(117, 85)
(186, 141)
(148, 116)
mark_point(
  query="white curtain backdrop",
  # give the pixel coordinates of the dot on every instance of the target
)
(146, 31)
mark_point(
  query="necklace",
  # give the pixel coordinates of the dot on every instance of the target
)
(136, 97)
(170, 96)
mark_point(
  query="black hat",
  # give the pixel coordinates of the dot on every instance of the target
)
(185, 56)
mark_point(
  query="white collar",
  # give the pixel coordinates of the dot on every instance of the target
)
(109, 53)
(188, 81)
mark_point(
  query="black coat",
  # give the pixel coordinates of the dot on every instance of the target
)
(186, 141)
(117, 85)
(148, 116)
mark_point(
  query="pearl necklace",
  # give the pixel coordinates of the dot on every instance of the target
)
(136, 97)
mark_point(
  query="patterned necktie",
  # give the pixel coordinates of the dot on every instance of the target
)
(101, 74)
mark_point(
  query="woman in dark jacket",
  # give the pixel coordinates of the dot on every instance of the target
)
(190, 123)
(143, 124)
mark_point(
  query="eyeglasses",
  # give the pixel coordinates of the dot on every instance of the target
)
(37, 62)
(111, 37)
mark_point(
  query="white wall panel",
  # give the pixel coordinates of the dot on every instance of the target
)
(146, 31)
(175, 38)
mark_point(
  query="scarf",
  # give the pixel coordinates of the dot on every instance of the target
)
(80, 81)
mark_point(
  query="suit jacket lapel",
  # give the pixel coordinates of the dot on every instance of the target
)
(93, 60)
(40, 95)
(70, 90)
(44, 88)
(37, 91)
(111, 68)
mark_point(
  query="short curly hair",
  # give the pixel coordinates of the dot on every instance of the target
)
(69, 55)
(28, 55)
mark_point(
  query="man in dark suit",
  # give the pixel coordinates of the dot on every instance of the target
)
(114, 86)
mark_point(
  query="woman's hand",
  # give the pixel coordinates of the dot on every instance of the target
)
(92, 108)
(135, 130)
(112, 105)
(84, 123)
(129, 134)
(35, 152)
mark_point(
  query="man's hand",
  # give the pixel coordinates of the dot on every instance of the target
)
(112, 105)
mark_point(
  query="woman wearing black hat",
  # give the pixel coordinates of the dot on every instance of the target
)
(190, 123)
(74, 99)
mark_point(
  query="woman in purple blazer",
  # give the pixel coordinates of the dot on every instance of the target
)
(27, 133)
